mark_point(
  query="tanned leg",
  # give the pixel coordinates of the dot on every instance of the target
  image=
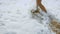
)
(41, 6)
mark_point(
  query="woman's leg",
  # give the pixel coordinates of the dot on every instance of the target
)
(38, 2)
(40, 5)
(37, 10)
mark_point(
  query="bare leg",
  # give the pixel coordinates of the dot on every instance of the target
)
(38, 2)
(37, 10)
(43, 8)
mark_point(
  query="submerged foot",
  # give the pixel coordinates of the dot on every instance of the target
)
(35, 11)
